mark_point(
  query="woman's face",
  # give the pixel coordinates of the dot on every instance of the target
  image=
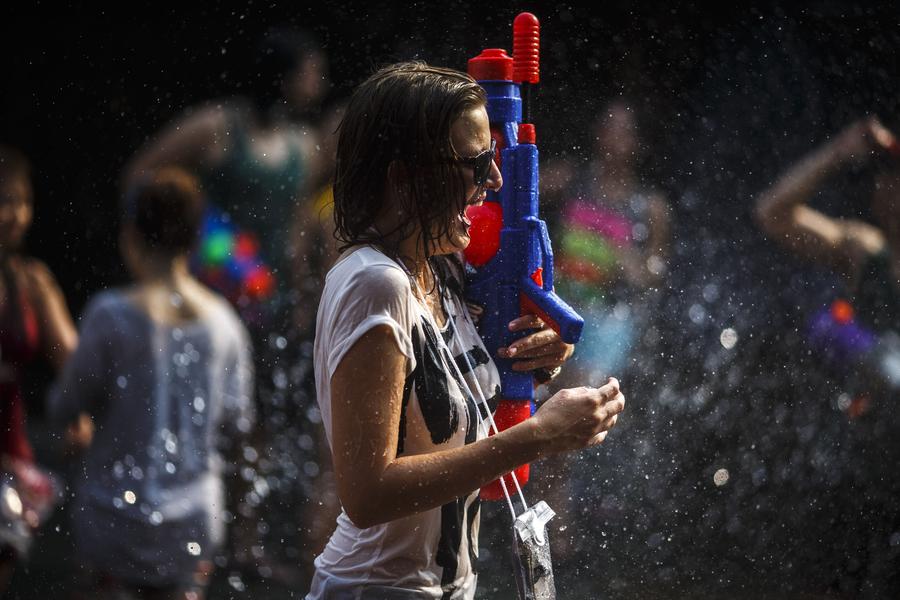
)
(305, 85)
(470, 135)
(15, 212)
(616, 135)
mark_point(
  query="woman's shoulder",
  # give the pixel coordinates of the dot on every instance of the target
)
(34, 273)
(369, 271)
(108, 304)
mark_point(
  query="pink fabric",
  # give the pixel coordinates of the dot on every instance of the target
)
(603, 221)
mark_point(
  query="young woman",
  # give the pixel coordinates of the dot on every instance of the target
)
(400, 369)
(162, 367)
(34, 323)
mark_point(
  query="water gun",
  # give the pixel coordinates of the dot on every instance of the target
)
(845, 342)
(509, 258)
(228, 260)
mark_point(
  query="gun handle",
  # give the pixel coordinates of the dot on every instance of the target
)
(561, 317)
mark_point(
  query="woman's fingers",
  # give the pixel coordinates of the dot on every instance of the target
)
(526, 322)
(550, 361)
(542, 343)
(597, 439)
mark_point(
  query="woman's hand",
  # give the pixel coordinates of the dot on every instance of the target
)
(80, 433)
(859, 139)
(579, 417)
(543, 349)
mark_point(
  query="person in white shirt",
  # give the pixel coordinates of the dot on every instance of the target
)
(404, 424)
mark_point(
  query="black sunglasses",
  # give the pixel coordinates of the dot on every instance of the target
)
(481, 164)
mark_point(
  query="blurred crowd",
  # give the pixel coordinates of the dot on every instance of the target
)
(184, 402)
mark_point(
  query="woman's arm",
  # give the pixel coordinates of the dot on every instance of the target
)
(783, 214)
(80, 384)
(58, 334)
(376, 486)
(191, 142)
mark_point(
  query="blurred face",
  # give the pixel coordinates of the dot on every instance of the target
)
(306, 84)
(15, 212)
(616, 134)
(470, 136)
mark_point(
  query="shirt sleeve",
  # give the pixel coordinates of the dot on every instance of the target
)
(82, 384)
(238, 384)
(378, 295)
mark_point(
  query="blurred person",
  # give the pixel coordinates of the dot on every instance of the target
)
(612, 241)
(34, 323)
(865, 254)
(257, 156)
(164, 369)
(395, 346)
(254, 154)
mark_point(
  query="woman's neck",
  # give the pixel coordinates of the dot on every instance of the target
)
(172, 273)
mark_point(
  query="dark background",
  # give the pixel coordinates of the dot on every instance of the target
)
(727, 96)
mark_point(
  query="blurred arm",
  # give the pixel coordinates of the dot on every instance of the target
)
(192, 142)
(58, 334)
(783, 214)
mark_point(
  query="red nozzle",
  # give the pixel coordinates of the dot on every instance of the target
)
(493, 64)
(526, 49)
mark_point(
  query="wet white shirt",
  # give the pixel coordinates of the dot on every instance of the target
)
(430, 554)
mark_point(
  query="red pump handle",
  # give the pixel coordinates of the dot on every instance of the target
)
(526, 49)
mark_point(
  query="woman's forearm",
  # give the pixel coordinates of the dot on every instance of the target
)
(774, 209)
(412, 484)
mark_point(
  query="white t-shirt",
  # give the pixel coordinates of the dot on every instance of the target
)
(430, 554)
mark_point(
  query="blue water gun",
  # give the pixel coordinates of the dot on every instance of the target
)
(509, 258)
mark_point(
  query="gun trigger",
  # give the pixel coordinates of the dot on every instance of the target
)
(538, 277)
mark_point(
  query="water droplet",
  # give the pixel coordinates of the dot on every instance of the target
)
(122, 382)
(199, 404)
(728, 338)
(236, 582)
(721, 477)
(12, 502)
(697, 314)
(156, 518)
(129, 497)
(193, 549)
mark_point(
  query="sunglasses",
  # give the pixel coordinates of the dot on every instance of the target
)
(481, 164)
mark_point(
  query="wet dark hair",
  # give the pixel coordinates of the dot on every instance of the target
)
(166, 209)
(402, 116)
(13, 165)
(280, 51)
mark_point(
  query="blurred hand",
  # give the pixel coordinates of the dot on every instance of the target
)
(543, 349)
(858, 140)
(579, 417)
(80, 433)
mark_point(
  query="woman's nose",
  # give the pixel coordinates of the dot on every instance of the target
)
(495, 179)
